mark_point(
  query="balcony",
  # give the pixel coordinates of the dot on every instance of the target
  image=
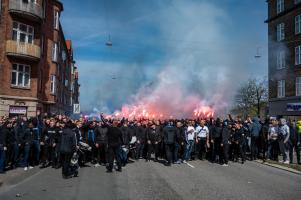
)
(23, 50)
(28, 10)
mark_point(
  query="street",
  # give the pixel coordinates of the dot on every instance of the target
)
(149, 180)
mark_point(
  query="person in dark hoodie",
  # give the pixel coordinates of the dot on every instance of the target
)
(27, 141)
(239, 138)
(226, 141)
(141, 139)
(126, 141)
(114, 144)
(90, 139)
(295, 140)
(153, 139)
(101, 137)
(67, 148)
(170, 134)
(15, 141)
(48, 142)
(3, 145)
(215, 140)
(255, 129)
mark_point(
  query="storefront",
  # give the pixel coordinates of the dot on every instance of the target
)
(289, 108)
(17, 111)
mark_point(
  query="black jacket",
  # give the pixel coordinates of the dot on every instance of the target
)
(141, 133)
(14, 136)
(170, 134)
(49, 135)
(216, 132)
(153, 135)
(28, 136)
(68, 141)
(101, 135)
(3, 135)
(294, 135)
(114, 136)
(181, 135)
(226, 135)
(125, 135)
(239, 136)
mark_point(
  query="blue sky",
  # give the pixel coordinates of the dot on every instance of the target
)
(148, 35)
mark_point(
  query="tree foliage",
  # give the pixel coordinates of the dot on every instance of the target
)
(251, 97)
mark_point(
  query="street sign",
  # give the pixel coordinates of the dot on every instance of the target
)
(76, 109)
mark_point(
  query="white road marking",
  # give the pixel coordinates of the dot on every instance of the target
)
(190, 165)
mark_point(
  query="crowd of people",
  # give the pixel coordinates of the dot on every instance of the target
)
(61, 142)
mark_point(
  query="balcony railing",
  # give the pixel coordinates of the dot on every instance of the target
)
(32, 9)
(16, 48)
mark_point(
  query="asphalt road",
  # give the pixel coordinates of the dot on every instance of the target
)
(141, 180)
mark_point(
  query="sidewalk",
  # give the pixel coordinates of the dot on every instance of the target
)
(294, 168)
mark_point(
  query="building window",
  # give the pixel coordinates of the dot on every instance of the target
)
(298, 86)
(53, 84)
(20, 75)
(66, 82)
(280, 6)
(22, 33)
(298, 55)
(281, 89)
(280, 32)
(298, 24)
(297, 1)
(56, 20)
(281, 60)
(30, 1)
(54, 52)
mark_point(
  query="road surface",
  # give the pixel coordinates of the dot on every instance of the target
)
(148, 180)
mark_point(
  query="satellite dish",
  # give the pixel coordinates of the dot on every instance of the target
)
(109, 42)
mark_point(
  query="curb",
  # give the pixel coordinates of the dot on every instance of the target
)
(279, 167)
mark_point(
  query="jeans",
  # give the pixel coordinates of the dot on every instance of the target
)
(176, 152)
(169, 148)
(284, 148)
(226, 153)
(66, 158)
(254, 147)
(297, 149)
(37, 150)
(26, 154)
(114, 152)
(2, 158)
(188, 149)
(15, 153)
(153, 147)
(201, 148)
(140, 149)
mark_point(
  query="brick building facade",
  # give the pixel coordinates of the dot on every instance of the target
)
(284, 31)
(36, 62)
